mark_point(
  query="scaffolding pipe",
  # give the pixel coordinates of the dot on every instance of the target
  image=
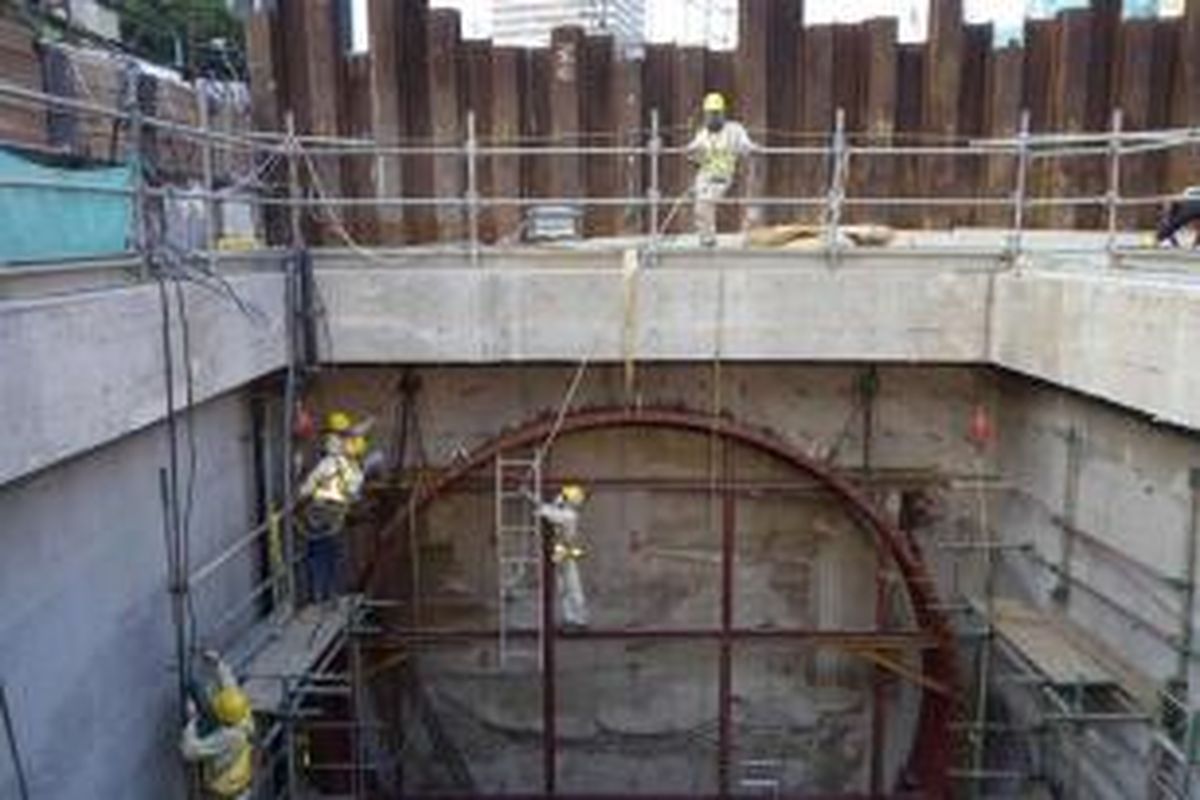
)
(653, 191)
(206, 166)
(1187, 627)
(1022, 185)
(472, 196)
(837, 183)
(1114, 184)
(14, 751)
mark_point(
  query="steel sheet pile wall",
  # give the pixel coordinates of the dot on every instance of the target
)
(785, 81)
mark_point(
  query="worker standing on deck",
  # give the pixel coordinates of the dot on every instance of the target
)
(715, 151)
(563, 516)
(1181, 213)
(332, 486)
(226, 754)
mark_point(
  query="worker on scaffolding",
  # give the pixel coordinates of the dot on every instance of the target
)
(226, 752)
(715, 151)
(563, 516)
(328, 492)
(1181, 213)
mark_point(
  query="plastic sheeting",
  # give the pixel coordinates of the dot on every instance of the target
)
(55, 213)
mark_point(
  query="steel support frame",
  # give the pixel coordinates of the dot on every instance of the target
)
(930, 761)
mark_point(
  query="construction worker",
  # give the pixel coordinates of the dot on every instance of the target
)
(328, 491)
(563, 516)
(1181, 213)
(715, 151)
(226, 754)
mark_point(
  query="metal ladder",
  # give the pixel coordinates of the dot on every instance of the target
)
(519, 558)
(1168, 776)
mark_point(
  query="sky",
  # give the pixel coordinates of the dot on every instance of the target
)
(663, 16)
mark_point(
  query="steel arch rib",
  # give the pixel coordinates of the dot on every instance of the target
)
(930, 758)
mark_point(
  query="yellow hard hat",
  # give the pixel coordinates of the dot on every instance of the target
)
(356, 446)
(231, 706)
(338, 422)
(574, 494)
(714, 102)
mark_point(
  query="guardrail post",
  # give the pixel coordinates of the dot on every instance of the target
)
(1114, 184)
(837, 184)
(1021, 189)
(653, 193)
(206, 166)
(472, 151)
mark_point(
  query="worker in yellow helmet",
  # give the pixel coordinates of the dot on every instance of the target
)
(226, 754)
(563, 516)
(328, 491)
(715, 151)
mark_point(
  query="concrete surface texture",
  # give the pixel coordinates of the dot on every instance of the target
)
(638, 716)
(86, 637)
(1123, 336)
(83, 368)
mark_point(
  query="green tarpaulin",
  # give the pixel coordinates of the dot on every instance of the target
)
(53, 213)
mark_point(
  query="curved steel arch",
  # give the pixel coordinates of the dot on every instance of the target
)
(929, 761)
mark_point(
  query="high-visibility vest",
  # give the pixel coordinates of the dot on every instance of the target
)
(231, 774)
(336, 486)
(719, 151)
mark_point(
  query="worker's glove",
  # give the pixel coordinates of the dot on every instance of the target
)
(212, 656)
(191, 709)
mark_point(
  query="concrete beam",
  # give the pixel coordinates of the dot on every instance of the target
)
(691, 306)
(81, 369)
(1126, 339)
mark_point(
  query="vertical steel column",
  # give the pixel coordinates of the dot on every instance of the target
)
(1021, 189)
(1114, 185)
(868, 387)
(14, 751)
(472, 153)
(983, 676)
(206, 166)
(837, 183)
(725, 666)
(1187, 627)
(653, 193)
(291, 388)
(1062, 589)
(358, 769)
(549, 700)
(136, 156)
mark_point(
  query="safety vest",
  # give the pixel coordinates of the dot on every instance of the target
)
(231, 773)
(566, 552)
(337, 484)
(719, 151)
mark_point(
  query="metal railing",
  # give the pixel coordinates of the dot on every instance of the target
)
(301, 188)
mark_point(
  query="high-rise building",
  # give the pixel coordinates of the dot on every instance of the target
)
(529, 22)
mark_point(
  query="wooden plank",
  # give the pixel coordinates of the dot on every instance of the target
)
(1043, 641)
(783, 105)
(477, 98)
(1141, 174)
(1041, 45)
(294, 649)
(358, 171)
(444, 38)
(264, 63)
(387, 119)
(942, 88)
(1072, 177)
(601, 123)
(566, 57)
(910, 124)
(505, 131)
(627, 100)
(815, 74)
(977, 46)
(750, 77)
(687, 96)
(874, 177)
(1002, 120)
(415, 111)
(1183, 164)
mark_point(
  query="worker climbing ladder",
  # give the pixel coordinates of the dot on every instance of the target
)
(519, 558)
